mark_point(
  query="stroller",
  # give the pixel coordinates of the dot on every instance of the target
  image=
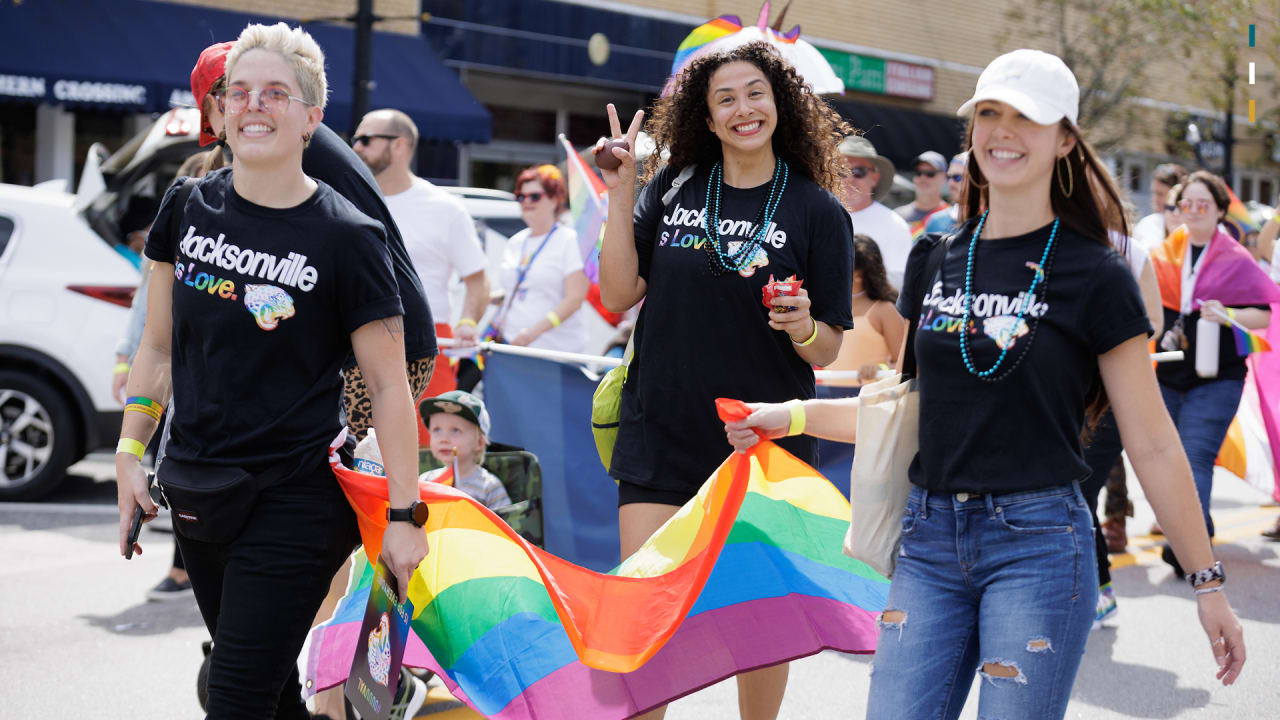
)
(520, 474)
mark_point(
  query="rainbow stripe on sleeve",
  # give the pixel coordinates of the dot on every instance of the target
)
(747, 574)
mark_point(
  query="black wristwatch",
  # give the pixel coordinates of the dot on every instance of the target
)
(415, 513)
(1196, 579)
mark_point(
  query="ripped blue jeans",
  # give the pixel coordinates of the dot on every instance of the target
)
(1005, 585)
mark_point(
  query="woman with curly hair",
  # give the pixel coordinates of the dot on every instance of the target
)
(760, 203)
(878, 329)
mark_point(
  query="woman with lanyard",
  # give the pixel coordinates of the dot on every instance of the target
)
(254, 306)
(759, 203)
(542, 279)
(996, 570)
(1201, 407)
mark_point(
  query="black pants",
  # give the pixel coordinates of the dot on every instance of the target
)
(1102, 453)
(259, 593)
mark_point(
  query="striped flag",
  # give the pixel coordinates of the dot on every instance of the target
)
(749, 573)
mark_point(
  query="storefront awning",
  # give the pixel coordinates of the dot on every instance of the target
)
(136, 56)
(900, 134)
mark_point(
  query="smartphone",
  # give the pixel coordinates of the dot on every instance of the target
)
(135, 527)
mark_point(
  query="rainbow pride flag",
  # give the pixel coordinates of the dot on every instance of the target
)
(589, 208)
(749, 573)
(1238, 218)
(1248, 342)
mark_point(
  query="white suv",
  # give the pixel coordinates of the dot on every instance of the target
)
(64, 300)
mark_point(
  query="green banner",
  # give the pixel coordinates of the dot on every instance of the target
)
(859, 72)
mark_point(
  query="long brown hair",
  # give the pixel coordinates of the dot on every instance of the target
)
(1093, 209)
(869, 262)
(808, 132)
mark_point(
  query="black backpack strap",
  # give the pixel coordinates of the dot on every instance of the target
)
(936, 256)
(179, 208)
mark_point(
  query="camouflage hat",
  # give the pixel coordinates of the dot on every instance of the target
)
(457, 402)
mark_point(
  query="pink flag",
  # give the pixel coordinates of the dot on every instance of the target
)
(1230, 275)
(1265, 368)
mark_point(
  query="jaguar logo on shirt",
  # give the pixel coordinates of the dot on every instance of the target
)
(758, 259)
(268, 304)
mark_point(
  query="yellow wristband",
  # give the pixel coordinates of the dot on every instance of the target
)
(553, 318)
(467, 321)
(797, 417)
(131, 446)
(120, 368)
(150, 412)
(812, 337)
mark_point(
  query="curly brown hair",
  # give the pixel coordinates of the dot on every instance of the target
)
(808, 134)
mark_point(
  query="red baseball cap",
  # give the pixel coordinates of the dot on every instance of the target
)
(208, 70)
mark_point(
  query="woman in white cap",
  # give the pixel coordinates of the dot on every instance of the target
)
(996, 570)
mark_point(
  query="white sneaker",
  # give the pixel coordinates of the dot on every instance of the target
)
(411, 695)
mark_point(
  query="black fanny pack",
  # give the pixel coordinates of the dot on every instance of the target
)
(211, 503)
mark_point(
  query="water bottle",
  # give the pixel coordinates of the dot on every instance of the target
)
(368, 456)
(1207, 340)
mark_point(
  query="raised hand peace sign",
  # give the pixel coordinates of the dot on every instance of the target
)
(626, 171)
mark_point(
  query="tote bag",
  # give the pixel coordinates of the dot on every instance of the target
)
(888, 438)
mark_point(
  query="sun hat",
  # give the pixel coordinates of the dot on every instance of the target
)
(457, 402)
(1038, 84)
(857, 146)
(211, 66)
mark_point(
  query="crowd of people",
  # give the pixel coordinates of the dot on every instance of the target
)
(1022, 297)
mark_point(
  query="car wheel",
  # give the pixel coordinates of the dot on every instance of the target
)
(36, 436)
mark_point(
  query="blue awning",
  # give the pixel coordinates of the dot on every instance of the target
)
(136, 56)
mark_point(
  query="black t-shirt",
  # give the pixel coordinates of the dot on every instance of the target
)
(700, 337)
(332, 162)
(264, 303)
(1022, 432)
(1182, 375)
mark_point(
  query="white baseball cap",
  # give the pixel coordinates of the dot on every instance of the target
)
(1037, 83)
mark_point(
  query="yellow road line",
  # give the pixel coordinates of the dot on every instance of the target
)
(1146, 548)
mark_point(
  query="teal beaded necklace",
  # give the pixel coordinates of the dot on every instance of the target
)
(1041, 275)
(719, 259)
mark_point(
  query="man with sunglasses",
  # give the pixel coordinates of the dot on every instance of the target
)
(931, 169)
(870, 178)
(946, 221)
(438, 232)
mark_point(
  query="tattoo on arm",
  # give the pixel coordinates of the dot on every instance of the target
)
(394, 325)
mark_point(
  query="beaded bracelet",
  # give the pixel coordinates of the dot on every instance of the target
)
(131, 446)
(553, 318)
(812, 337)
(798, 417)
(121, 367)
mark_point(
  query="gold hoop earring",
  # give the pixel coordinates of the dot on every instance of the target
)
(1070, 185)
(973, 180)
(306, 139)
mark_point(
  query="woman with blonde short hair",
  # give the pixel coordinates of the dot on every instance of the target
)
(271, 279)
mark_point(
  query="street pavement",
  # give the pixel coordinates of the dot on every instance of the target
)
(79, 640)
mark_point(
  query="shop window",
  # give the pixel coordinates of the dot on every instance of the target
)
(1266, 192)
(523, 125)
(95, 126)
(1134, 174)
(1246, 189)
(17, 143)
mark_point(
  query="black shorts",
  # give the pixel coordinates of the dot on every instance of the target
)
(631, 493)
